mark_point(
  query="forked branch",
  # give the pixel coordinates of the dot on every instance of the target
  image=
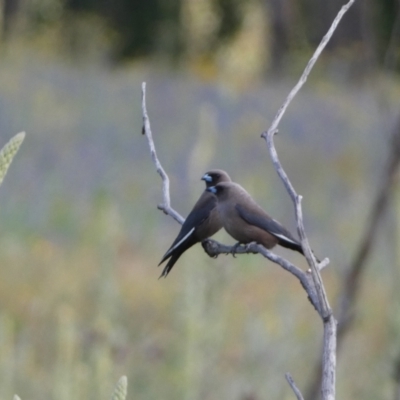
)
(212, 247)
(311, 281)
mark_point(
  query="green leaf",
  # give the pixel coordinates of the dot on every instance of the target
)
(8, 152)
(121, 389)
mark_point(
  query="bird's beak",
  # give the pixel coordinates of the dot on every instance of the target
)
(206, 178)
(212, 189)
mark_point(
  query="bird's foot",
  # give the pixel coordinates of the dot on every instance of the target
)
(234, 249)
(210, 247)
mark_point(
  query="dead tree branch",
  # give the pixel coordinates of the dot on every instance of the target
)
(293, 386)
(323, 305)
(307, 70)
(324, 310)
(165, 206)
(212, 247)
(352, 280)
(329, 343)
(314, 286)
(353, 277)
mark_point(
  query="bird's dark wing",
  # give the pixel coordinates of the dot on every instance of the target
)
(187, 235)
(263, 221)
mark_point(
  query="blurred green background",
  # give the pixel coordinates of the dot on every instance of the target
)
(81, 236)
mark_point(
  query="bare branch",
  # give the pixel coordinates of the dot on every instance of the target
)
(322, 304)
(214, 248)
(308, 68)
(352, 280)
(146, 130)
(329, 359)
(324, 263)
(313, 287)
(323, 307)
(293, 386)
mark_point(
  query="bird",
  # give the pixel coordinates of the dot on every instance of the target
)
(202, 222)
(247, 222)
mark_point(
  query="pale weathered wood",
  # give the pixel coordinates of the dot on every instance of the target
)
(165, 206)
(292, 384)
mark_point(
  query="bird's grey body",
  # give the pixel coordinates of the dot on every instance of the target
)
(247, 222)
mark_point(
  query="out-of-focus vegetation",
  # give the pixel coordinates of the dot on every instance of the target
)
(81, 236)
(119, 392)
(121, 389)
(236, 39)
(8, 152)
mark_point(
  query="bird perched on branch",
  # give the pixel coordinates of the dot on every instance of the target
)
(202, 222)
(246, 221)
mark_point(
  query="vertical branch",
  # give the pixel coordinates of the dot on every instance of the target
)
(324, 310)
(323, 305)
(328, 382)
(329, 345)
(353, 277)
(268, 136)
(146, 130)
(307, 70)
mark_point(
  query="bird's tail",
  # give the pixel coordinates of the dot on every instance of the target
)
(174, 253)
(296, 247)
(171, 262)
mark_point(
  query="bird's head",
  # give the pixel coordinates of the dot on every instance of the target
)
(221, 190)
(215, 176)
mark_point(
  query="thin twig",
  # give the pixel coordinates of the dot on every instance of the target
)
(309, 67)
(324, 263)
(146, 130)
(295, 389)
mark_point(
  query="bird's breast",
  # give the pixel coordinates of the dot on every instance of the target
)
(210, 226)
(233, 224)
